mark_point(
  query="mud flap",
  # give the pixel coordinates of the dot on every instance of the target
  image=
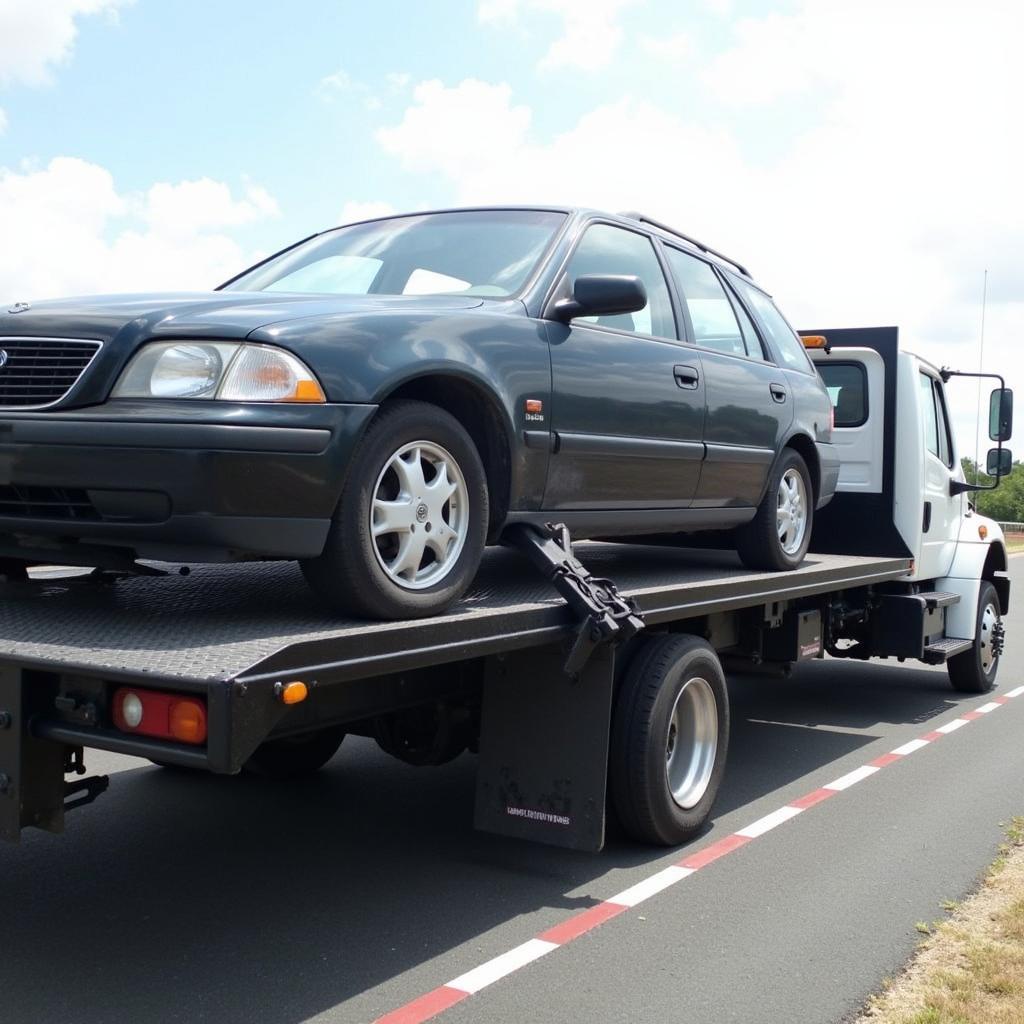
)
(31, 770)
(544, 748)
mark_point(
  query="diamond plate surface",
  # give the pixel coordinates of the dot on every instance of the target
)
(220, 620)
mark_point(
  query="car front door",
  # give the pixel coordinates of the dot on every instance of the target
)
(628, 396)
(749, 406)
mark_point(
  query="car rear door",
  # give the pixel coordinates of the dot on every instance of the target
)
(749, 405)
(628, 395)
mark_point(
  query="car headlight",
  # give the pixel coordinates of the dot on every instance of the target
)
(232, 372)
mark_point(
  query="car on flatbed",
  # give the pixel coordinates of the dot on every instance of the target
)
(381, 400)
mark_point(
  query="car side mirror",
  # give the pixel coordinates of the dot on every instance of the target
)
(999, 462)
(1000, 415)
(602, 295)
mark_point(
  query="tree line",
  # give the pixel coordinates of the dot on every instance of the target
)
(1006, 503)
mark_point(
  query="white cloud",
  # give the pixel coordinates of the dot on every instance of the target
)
(334, 83)
(881, 202)
(591, 33)
(677, 46)
(356, 210)
(68, 230)
(3, 121)
(339, 83)
(458, 130)
(35, 35)
(398, 80)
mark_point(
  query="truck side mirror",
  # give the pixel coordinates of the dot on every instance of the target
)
(999, 462)
(1000, 415)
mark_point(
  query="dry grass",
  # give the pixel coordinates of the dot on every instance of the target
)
(970, 970)
(1014, 542)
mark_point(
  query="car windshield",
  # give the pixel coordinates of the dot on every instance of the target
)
(471, 252)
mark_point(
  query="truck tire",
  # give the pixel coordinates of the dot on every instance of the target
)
(777, 537)
(975, 670)
(418, 470)
(670, 735)
(295, 756)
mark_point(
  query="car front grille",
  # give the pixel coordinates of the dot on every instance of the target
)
(37, 372)
(47, 503)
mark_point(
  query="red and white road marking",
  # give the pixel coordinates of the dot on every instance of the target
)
(432, 1003)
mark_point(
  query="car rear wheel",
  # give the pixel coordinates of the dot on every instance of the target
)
(411, 524)
(777, 537)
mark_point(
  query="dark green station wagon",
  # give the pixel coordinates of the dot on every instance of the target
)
(381, 400)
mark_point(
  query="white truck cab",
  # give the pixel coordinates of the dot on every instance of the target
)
(902, 491)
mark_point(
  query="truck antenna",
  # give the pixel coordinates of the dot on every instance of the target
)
(981, 367)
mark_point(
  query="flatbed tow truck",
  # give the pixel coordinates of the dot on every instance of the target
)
(576, 692)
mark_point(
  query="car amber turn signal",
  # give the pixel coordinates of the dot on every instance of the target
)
(164, 716)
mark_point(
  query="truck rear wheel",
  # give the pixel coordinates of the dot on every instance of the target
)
(295, 756)
(670, 734)
(975, 670)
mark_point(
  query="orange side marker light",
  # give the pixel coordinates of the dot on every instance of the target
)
(294, 692)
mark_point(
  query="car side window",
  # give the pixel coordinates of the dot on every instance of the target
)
(755, 347)
(606, 249)
(715, 325)
(786, 341)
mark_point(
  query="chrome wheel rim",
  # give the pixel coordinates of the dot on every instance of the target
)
(419, 515)
(791, 514)
(989, 619)
(692, 742)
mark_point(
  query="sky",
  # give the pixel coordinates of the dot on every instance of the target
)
(864, 159)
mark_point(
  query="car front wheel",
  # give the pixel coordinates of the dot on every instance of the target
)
(777, 537)
(411, 524)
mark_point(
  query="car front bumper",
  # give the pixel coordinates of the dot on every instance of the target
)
(176, 481)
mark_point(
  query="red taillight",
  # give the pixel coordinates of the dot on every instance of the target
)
(165, 716)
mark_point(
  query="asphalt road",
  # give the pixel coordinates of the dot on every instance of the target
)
(181, 898)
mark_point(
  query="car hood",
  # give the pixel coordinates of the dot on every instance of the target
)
(226, 314)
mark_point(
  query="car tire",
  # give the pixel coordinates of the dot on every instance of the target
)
(670, 737)
(975, 670)
(762, 543)
(295, 756)
(364, 570)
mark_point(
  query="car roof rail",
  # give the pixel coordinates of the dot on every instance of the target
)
(644, 219)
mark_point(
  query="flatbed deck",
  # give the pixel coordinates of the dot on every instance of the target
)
(258, 622)
(233, 635)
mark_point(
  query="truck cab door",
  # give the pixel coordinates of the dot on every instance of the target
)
(940, 511)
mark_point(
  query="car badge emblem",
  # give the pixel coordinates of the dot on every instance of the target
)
(3, 358)
(18, 307)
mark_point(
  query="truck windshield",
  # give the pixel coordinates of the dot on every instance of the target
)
(469, 252)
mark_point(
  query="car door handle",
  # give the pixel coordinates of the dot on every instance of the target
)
(778, 392)
(687, 377)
